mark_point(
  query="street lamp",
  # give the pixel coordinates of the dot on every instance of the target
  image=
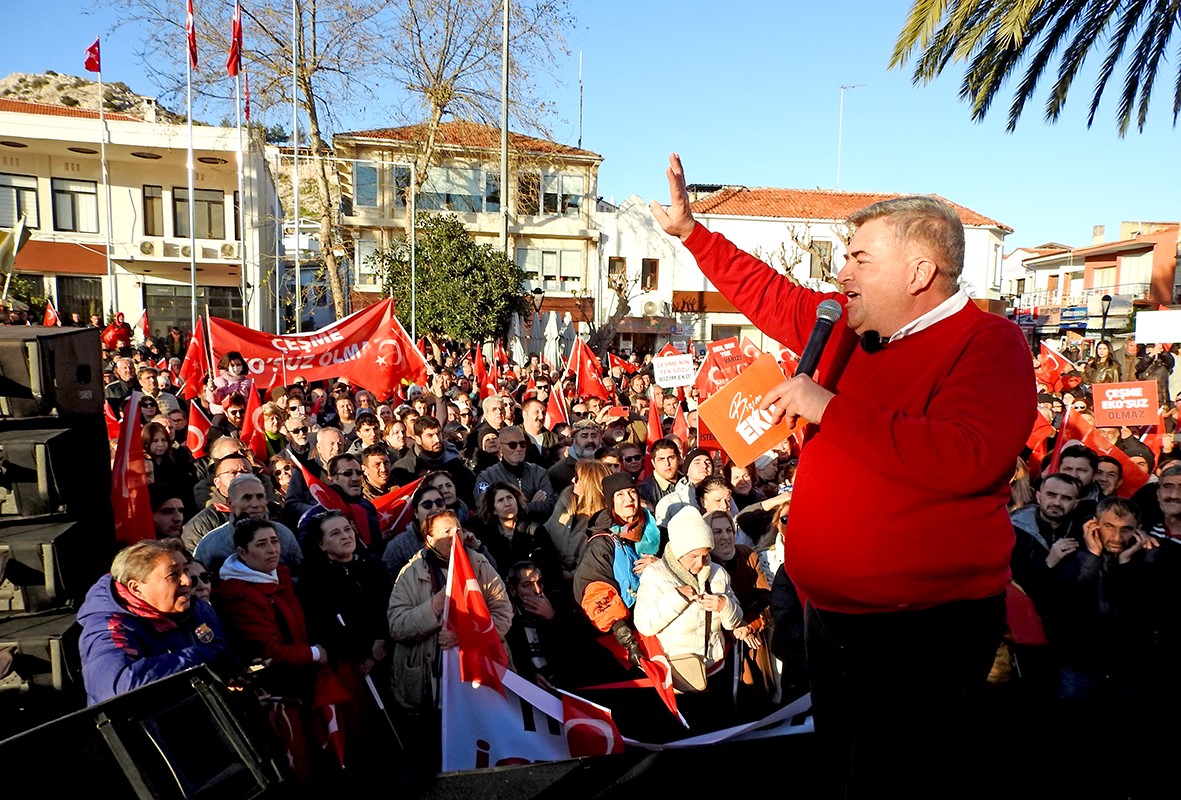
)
(538, 298)
(1106, 301)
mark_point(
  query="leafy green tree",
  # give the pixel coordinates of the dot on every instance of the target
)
(464, 290)
(997, 38)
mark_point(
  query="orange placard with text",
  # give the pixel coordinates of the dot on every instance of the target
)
(1132, 404)
(732, 413)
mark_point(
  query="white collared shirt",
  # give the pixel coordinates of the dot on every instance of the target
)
(947, 308)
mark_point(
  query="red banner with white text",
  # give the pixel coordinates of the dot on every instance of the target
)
(370, 348)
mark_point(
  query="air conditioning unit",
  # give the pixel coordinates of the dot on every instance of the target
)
(186, 251)
(229, 250)
(651, 309)
(148, 248)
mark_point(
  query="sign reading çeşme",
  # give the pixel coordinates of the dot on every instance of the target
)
(1132, 404)
(369, 348)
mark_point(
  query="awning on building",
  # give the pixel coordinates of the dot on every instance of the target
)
(69, 258)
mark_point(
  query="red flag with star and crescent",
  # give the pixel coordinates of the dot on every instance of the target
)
(191, 35)
(195, 365)
(52, 319)
(252, 431)
(1051, 365)
(198, 433)
(129, 480)
(93, 58)
(393, 508)
(482, 659)
(1075, 426)
(234, 61)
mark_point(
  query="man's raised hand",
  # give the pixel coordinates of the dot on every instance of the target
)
(677, 220)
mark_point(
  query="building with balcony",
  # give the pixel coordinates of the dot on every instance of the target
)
(52, 175)
(551, 194)
(1064, 289)
(799, 232)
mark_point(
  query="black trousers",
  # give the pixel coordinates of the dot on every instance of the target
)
(895, 697)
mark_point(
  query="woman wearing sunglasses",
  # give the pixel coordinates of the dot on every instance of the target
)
(425, 501)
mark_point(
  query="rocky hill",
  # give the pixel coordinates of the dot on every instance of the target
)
(69, 90)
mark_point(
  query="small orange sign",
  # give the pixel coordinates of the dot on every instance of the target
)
(732, 413)
(1131, 404)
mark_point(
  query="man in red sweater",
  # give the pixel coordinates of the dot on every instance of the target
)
(898, 537)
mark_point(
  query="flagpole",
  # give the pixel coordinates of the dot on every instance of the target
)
(192, 193)
(295, 159)
(414, 256)
(102, 146)
(241, 199)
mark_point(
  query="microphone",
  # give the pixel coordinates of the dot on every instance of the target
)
(827, 315)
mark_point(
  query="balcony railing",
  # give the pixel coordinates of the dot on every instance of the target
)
(1046, 297)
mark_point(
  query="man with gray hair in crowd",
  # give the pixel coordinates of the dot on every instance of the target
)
(248, 500)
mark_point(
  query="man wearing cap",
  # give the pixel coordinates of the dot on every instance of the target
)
(623, 542)
(903, 557)
(586, 437)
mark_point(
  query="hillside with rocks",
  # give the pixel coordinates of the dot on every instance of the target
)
(75, 92)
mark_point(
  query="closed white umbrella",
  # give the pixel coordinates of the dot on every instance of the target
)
(516, 340)
(553, 341)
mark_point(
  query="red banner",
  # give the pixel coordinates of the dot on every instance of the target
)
(370, 348)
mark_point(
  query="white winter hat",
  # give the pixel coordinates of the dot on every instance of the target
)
(687, 531)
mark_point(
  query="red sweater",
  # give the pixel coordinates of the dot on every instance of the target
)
(900, 498)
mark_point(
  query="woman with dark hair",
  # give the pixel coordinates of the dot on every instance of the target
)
(1102, 367)
(168, 468)
(442, 480)
(510, 536)
(343, 595)
(742, 484)
(281, 468)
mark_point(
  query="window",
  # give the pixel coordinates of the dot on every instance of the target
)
(1103, 278)
(491, 191)
(1020, 287)
(81, 296)
(616, 271)
(365, 184)
(237, 217)
(401, 185)
(171, 305)
(18, 198)
(209, 211)
(528, 193)
(649, 274)
(562, 194)
(820, 267)
(367, 273)
(1052, 287)
(153, 211)
(1136, 271)
(452, 189)
(75, 205)
(559, 270)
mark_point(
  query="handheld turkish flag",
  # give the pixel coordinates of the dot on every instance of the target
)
(393, 508)
(681, 425)
(1042, 431)
(195, 366)
(1050, 368)
(669, 350)
(112, 421)
(321, 491)
(252, 430)
(234, 61)
(191, 35)
(327, 697)
(143, 325)
(655, 428)
(500, 353)
(198, 433)
(52, 320)
(588, 372)
(1075, 426)
(482, 659)
(589, 728)
(555, 409)
(129, 480)
(615, 361)
(93, 60)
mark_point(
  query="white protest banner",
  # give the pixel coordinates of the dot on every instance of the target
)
(1158, 327)
(669, 372)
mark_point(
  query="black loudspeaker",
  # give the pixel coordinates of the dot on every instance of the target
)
(50, 370)
(180, 737)
(47, 467)
(35, 653)
(46, 562)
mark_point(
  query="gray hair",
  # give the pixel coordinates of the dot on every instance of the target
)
(925, 221)
(136, 563)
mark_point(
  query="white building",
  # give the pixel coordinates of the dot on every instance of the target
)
(51, 172)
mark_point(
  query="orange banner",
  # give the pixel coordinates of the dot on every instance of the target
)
(732, 413)
(1132, 404)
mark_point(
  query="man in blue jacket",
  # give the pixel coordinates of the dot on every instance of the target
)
(140, 624)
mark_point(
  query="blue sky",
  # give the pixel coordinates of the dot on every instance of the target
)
(748, 93)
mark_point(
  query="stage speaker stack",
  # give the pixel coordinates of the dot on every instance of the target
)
(57, 531)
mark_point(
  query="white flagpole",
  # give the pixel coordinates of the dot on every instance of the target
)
(102, 146)
(241, 198)
(295, 24)
(192, 193)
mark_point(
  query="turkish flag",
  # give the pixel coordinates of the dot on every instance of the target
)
(669, 350)
(252, 431)
(393, 508)
(322, 493)
(93, 60)
(482, 388)
(191, 35)
(482, 659)
(327, 698)
(655, 428)
(1075, 426)
(615, 361)
(112, 421)
(195, 365)
(788, 361)
(589, 728)
(198, 433)
(129, 480)
(588, 372)
(709, 377)
(555, 409)
(1050, 368)
(143, 325)
(1042, 431)
(500, 353)
(681, 425)
(234, 61)
(52, 320)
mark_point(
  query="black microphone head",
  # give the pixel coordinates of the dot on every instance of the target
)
(829, 310)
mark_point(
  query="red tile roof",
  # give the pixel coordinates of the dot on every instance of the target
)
(462, 133)
(25, 107)
(810, 204)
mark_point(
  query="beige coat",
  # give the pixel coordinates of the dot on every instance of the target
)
(414, 628)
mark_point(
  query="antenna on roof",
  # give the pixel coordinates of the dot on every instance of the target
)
(579, 99)
(841, 126)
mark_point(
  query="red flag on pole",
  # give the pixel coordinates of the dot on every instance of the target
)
(1075, 426)
(93, 60)
(328, 696)
(655, 428)
(320, 491)
(112, 421)
(1050, 368)
(195, 365)
(555, 409)
(482, 659)
(191, 34)
(499, 353)
(588, 372)
(198, 433)
(234, 62)
(615, 361)
(252, 431)
(144, 326)
(393, 508)
(129, 480)
(52, 320)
